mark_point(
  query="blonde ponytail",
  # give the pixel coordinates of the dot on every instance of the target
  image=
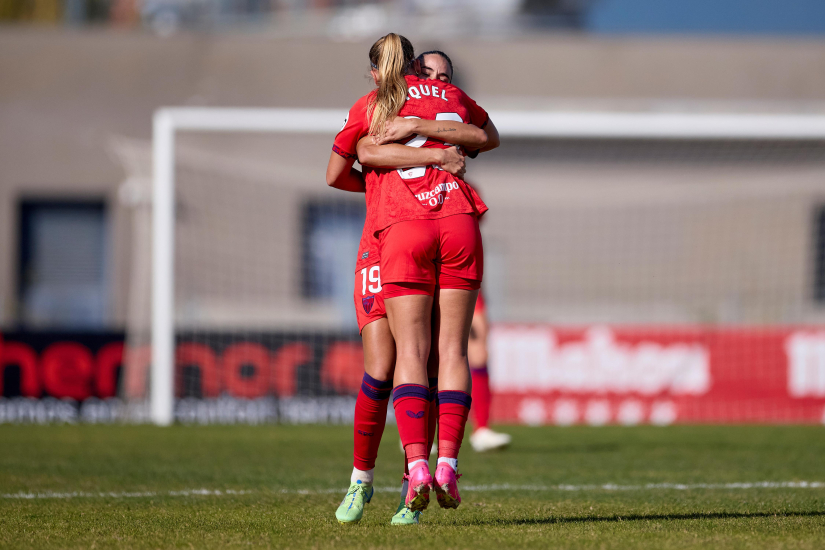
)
(390, 56)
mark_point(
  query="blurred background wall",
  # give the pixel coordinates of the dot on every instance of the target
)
(717, 239)
(78, 76)
(67, 94)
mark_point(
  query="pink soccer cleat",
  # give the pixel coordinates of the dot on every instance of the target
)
(418, 491)
(446, 486)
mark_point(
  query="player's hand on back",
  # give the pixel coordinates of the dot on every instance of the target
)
(396, 129)
(454, 162)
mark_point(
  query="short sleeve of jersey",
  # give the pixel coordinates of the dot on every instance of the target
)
(478, 116)
(355, 128)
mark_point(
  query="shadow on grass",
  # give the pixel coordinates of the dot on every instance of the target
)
(651, 517)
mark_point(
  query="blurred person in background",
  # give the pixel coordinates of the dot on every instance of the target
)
(482, 438)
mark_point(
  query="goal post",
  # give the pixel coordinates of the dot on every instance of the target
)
(168, 123)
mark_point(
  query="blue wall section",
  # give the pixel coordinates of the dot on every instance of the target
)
(782, 17)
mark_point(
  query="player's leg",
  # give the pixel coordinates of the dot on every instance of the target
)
(432, 379)
(379, 362)
(409, 317)
(455, 386)
(461, 271)
(407, 249)
(373, 397)
(432, 376)
(403, 515)
(483, 438)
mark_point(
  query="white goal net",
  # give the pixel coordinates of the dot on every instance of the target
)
(639, 268)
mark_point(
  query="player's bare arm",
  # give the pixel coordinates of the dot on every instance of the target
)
(468, 135)
(394, 155)
(341, 175)
(493, 139)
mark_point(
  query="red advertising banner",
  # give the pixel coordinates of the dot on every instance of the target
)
(597, 375)
(79, 366)
(540, 374)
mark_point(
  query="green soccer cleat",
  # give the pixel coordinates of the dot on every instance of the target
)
(405, 516)
(351, 509)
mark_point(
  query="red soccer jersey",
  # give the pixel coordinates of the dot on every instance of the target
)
(415, 193)
(425, 192)
(356, 126)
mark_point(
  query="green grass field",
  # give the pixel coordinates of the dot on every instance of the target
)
(285, 482)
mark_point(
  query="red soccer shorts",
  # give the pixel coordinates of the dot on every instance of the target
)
(446, 251)
(368, 296)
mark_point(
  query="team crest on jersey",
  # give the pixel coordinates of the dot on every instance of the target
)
(367, 302)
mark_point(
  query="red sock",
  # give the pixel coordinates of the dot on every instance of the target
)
(433, 413)
(370, 418)
(411, 402)
(481, 397)
(453, 408)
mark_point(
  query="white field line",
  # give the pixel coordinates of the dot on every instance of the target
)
(142, 494)
(646, 487)
(471, 488)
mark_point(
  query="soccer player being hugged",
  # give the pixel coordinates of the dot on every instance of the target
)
(436, 65)
(431, 264)
(379, 345)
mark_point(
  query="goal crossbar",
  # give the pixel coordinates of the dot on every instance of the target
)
(524, 124)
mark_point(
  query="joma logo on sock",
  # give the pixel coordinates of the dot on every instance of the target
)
(365, 433)
(415, 414)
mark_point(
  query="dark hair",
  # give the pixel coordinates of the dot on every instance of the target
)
(446, 57)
